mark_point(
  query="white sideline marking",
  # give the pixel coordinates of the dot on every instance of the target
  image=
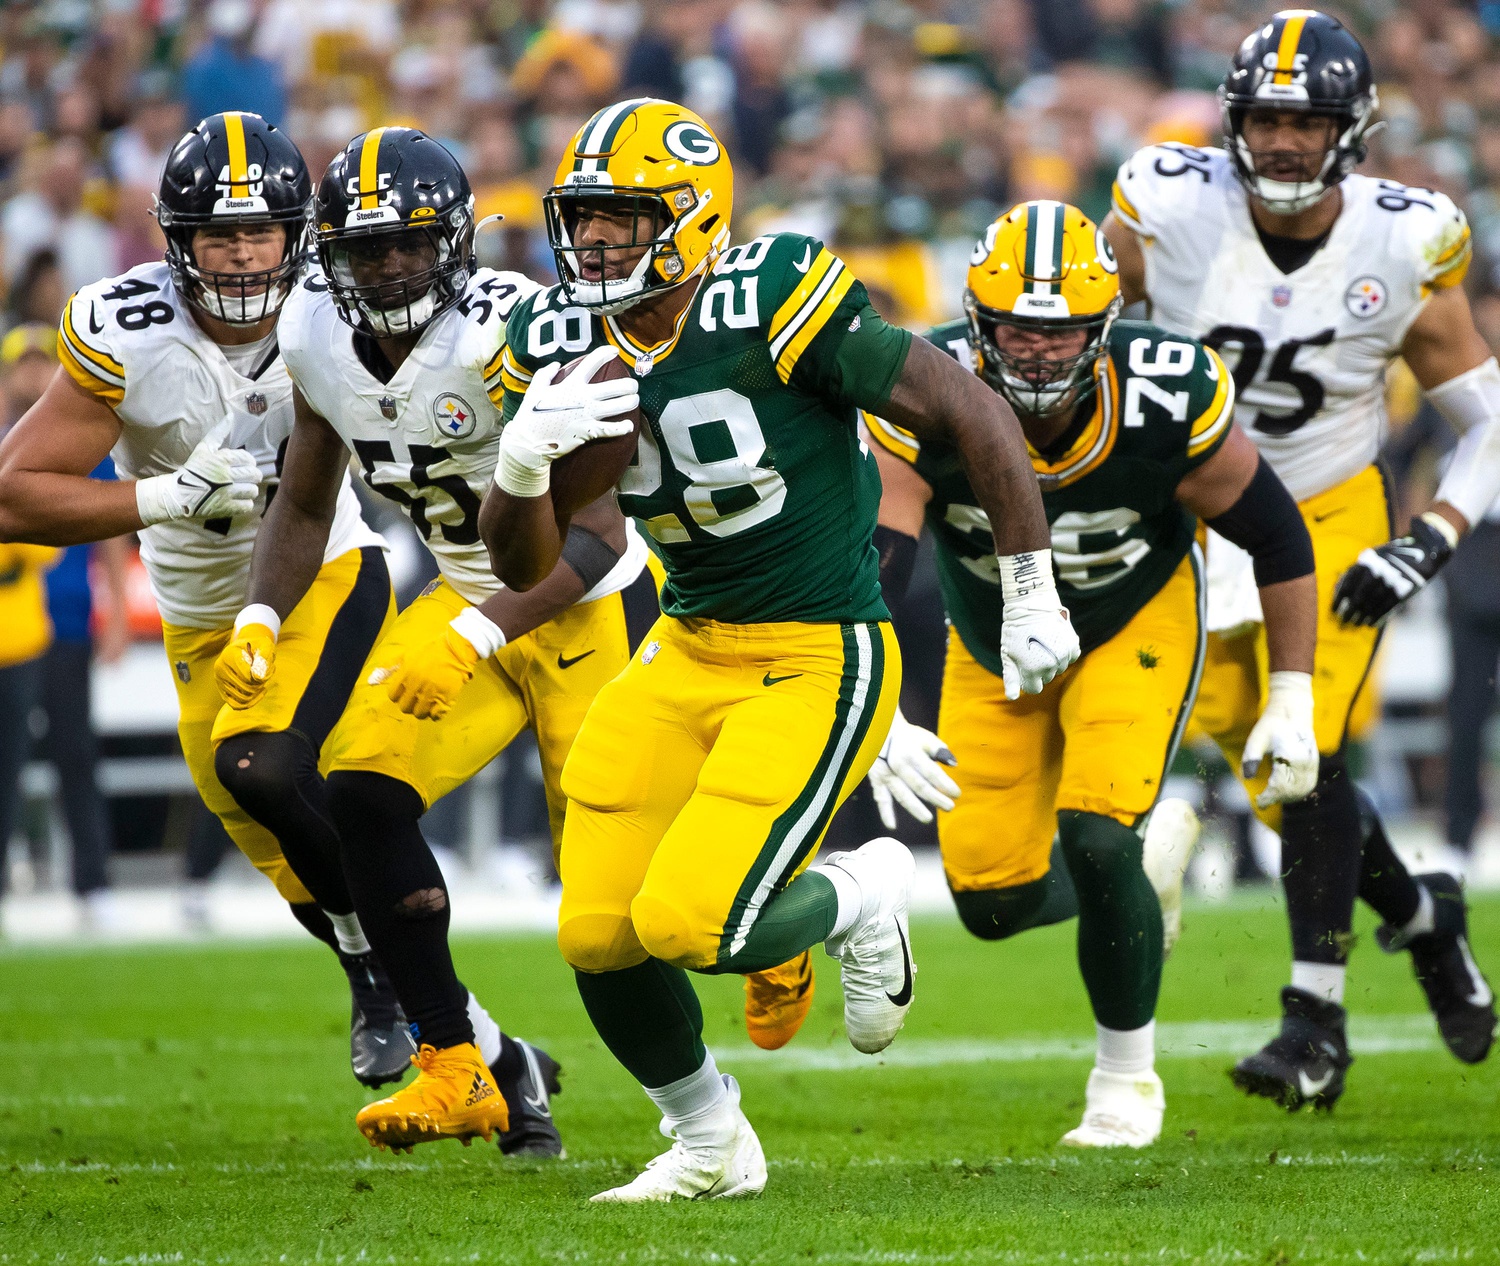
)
(1380, 1035)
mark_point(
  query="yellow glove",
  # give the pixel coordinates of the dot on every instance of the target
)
(426, 679)
(246, 664)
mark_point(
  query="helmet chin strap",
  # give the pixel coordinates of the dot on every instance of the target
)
(414, 314)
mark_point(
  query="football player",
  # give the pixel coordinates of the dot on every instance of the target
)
(706, 773)
(393, 348)
(1132, 440)
(174, 368)
(1310, 279)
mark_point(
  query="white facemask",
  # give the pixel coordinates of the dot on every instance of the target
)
(394, 322)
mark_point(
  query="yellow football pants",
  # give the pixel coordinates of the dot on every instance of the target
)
(309, 641)
(545, 680)
(1099, 739)
(1350, 517)
(704, 778)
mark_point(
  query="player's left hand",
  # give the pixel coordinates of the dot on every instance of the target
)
(1285, 735)
(909, 770)
(426, 680)
(1385, 577)
(1037, 640)
(245, 665)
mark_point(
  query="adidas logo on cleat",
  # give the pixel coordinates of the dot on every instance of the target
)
(480, 1090)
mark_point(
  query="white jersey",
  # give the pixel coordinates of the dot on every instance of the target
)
(132, 342)
(1308, 349)
(430, 437)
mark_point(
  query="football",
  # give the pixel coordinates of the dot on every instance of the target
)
(592, 469)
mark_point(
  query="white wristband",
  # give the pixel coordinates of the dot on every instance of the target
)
(476, 628)
(1291, 687)
(259, 613)
(1441, 526)
(521, 478)
(154, 501)
(1027, 578)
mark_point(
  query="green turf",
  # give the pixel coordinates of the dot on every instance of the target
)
(193, 1105)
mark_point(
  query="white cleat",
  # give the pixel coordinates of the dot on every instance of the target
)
(875, 953)
(700, 1171)
(1171, 833)
(1120, 1110)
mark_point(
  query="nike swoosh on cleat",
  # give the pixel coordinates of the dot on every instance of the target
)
(902, 997)
(537, 1103)
(1309, 1087)
(568, 663)
(769, 680)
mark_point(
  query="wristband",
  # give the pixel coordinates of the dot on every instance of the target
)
(1024, 577)
(481, 632)
(154, 501)
(259, 613)
(1291, 687)
(1441, 526)
(520, 478)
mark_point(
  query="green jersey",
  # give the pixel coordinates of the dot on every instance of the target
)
(750, 477)
(1162, 406)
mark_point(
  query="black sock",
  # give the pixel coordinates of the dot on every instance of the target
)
(1385, 885)
(401, 900)
(992, 914)
(310, 915)
(1119, 918)
(1320, 865)
(273, 776)
(649, 1017)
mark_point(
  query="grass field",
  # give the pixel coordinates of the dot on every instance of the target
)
(194, 1105)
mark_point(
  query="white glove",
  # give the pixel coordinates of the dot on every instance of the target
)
(557, 417)
(909, 770)
(1037, 641)
(214, 483)
(1285, 732)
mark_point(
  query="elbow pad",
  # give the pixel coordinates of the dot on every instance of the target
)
(1266, 523)
(589, 554)
(1471, 403)
(898, 555)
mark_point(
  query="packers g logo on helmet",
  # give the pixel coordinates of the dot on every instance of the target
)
(1043, 267)
(659, 164)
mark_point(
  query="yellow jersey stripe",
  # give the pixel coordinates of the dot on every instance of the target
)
(1286, 47)
(369, 169)
(509, 365)
(800, 296)
(87, 379)
(493, 367)
(105, 365)
(807, 327)
(1092, 447)
(239, 167)
(1124, 206)
(892, 438)
(497, 392)
(1213, 421)
(1449, 267)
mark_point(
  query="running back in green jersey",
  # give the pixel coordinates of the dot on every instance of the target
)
(1162, 406)
(750, 476)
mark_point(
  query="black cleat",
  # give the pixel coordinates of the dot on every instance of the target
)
(1305, 1062)
(380, 1045)
(1460, 998)
(528, 1078)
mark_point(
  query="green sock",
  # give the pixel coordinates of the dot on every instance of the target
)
(801, 915)
(992, 914)
(1119, 918)
(649, 1017)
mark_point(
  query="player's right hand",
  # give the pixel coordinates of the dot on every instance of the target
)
(1037, 640)
(244, 667)
(557, 416)
(909, 771)
(214, 483)
(1286, 736)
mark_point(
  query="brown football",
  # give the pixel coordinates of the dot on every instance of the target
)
(589, 471)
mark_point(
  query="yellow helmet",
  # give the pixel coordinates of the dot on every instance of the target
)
(1043, 267)
(642, 155)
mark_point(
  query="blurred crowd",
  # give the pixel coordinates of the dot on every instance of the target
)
(893, 129)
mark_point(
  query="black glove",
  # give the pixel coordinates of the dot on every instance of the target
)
(1387, 576)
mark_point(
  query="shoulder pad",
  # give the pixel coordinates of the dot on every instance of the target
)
(1173, 383)
(1162, 184)
(543, 326)
(1429, 231)
(309, 299)
(104, 323)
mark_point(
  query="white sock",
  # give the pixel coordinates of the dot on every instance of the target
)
(1424, 920)
(486, 1031)
(351, 935)
(1125, 1050)
(695, 1106)
(1322, 980)
(851, 900)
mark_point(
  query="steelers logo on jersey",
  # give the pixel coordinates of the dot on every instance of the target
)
(454, 416)
(1366, 296)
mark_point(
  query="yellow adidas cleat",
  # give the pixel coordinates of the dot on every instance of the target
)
(777, 1001)
(454, 1096)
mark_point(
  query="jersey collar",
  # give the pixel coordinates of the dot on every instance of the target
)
(1094, 443)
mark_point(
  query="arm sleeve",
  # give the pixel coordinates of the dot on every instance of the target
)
(1471, 402)
(1266, 523)
(84, 350)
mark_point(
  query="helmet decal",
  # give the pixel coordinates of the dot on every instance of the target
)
(691, 143)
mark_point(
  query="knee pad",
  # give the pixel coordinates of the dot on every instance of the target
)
(357, 797)
(993, 914)
(672, 934)
(1096, 848)
(262, 768)
(599, 942)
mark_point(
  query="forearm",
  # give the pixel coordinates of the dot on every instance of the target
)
(517, 614)
(1291, 613)
(523, 536)
(288, 555)
(44, 508)
(1471, 404)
